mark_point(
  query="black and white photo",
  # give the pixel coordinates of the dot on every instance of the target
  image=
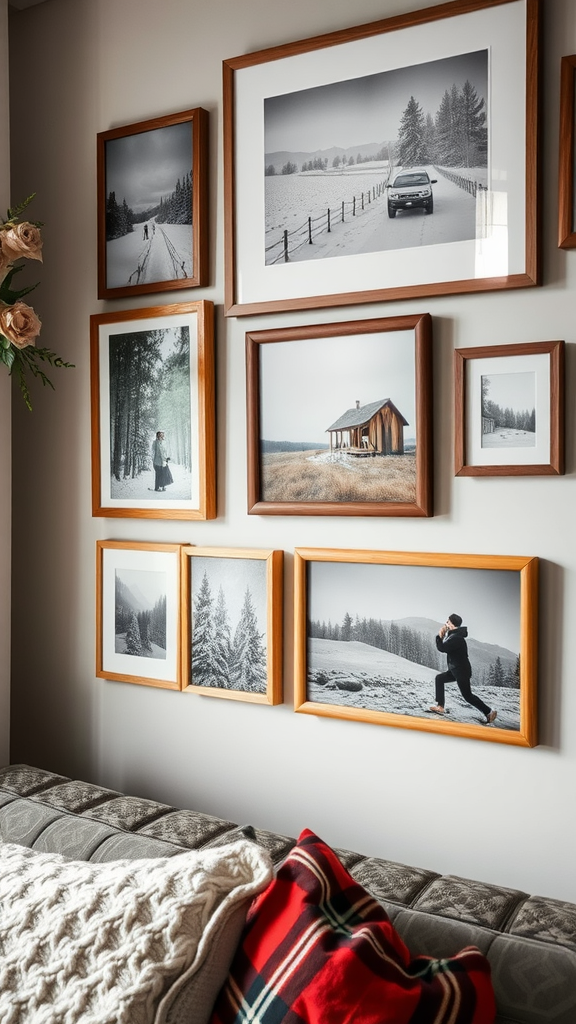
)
(509, 410)
(140, 613)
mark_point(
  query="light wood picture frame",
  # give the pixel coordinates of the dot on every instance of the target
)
(567, 163)
(232, 623)
(152, 180)
(340, 418)
(152, 374)
(138, 629)
(509, 410)
(365, 629)
(310, 204)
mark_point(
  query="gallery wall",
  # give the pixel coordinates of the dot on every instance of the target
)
(477, 809)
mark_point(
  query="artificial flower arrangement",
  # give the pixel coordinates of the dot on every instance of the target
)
(19, 325)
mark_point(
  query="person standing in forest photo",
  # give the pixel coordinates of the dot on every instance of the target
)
(451, 640)
(159, 460)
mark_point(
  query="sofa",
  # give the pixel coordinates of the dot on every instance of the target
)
(529, 941)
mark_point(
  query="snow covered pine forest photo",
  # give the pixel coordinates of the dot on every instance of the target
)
(331, 151)
(140, 613)
(371, 638)
(149, 206)
(229, 615)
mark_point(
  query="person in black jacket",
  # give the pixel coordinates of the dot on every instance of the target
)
(451, 640)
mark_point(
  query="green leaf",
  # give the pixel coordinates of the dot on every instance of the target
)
(15, 211)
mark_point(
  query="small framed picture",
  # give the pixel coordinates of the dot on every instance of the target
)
(153, 446)
(340, 418)
(138, 613)
(232, 623)
(510, 410)
(567, 163)
(153, 205)
(433, 642)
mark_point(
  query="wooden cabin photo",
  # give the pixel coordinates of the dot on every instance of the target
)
(369, 430)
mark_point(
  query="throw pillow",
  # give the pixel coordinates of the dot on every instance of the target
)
(114, 943)
(317, 948)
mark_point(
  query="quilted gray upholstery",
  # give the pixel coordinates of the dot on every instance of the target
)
(529, 940)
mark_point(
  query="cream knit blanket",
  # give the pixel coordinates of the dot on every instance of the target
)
(105, 943)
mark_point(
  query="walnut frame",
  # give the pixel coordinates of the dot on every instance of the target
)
(421, 327)
(527, 569)
(273, 566)
(566, 225)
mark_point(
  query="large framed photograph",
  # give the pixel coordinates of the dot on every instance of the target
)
(153, 205)
(152, 383)
(138, 613)
(232, 623)
(433, 642)
(510, 410)
(567, 163)
(340, 418)
(392, 160)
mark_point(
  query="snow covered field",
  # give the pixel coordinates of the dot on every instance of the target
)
(393, 684)
(165, 256)
(142, 487)
(509, 437)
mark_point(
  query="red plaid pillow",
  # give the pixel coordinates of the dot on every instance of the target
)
(318, 949)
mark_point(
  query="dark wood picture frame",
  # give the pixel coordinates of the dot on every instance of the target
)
(367, 678)
(187, 260)
(566, 164)
(377, 419)
(251, 287)
(550, 412)
(199, 442)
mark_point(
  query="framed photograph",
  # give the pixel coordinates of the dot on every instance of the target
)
(138, 613)
(340, 418)
(153, 205)
(567, 164)
(435, 642)
(392, 160)
(152, 385)
(510, 410)
(232, 623)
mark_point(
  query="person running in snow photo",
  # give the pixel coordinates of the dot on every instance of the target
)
(451, 640)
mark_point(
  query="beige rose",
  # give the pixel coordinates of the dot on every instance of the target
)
(22, 240)
(19, 324)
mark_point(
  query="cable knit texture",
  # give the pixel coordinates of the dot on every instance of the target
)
(111, 943)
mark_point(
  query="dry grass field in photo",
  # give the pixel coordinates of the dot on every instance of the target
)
(336, 476)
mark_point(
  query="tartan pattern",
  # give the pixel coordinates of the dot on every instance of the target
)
(318, 949)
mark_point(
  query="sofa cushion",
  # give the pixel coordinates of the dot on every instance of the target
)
(118, 943)
(318, 947)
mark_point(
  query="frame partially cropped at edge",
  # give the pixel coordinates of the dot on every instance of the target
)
(161, 163)
(232, 623)
(388, 676)
(509, 410)
(138, 613)
(310, 452)
(497, 249)
(152, 373)
(566, 165)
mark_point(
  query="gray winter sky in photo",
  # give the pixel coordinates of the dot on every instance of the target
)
(305, 386)
(233, 575)
(516, 391)
(368, 109)
(487, 599)
(143, 168)
(146, 584)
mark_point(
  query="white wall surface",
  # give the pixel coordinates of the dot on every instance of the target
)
(484, 810)
(5, 422)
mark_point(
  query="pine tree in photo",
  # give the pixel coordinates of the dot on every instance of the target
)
(158, 623)
(203, 639)
(133, 641)
(473, 130)
(411, 148)
(222, 642)
(249, 662)
(144, 627)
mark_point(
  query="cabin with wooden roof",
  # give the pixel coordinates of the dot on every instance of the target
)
(373, 429)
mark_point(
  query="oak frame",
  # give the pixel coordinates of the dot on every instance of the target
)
(421, 326)
(526, 567)
(274, 562)
(202, 381)
(566, 209)
(530, 274)
(170, 553)
(554, 466)
(199, 274)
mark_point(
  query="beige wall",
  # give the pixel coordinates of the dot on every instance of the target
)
(476, 809)
(5, 423)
